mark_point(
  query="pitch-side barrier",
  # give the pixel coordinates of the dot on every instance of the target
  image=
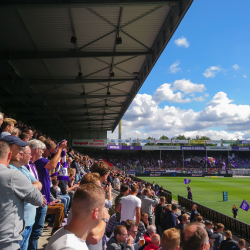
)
(235, 226)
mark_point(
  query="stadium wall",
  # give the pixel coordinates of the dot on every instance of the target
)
(183, 175)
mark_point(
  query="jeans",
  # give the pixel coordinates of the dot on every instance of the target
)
(65, 200)
(26, 235)
(77, 178)
(37, 228)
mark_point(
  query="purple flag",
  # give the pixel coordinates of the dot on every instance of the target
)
(186, 181)
(244, 205)
(158, 192)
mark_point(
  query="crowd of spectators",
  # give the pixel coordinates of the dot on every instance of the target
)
(43, 180)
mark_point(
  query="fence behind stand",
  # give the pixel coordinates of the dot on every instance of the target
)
(235, 226)
(167, 194)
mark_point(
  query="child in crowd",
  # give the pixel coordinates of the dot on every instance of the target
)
(235, 211)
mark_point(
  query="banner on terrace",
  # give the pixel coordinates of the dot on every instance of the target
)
(213, 141)
(161, 148)
(240, 148)
(89, 142)
(146, 141)
(217, 148)
(244, 141)
(162, 141)
(193, 148)
(180, 141)
(197, 141)
(118, 147)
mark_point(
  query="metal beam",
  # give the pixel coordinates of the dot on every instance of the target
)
(64, 116)
(49, 121)
(41, 98)
(55, 109)
(172, 21)
(13, 55)
(7, 83)
(80, 4)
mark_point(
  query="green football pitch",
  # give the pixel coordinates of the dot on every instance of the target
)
(208, 192)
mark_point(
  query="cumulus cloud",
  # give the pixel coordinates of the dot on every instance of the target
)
(187, 86)
(244, 76)
(199, 99)
(211, 71)
(165, 93)
(236, 66)
(174, 67)
(146, 118)
(182, 42)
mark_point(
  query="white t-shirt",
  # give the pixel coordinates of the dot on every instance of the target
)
(129, 204)
(63, 239)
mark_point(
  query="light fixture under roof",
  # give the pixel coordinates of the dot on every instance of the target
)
(118, 40)
(112, 74)
(73, 39)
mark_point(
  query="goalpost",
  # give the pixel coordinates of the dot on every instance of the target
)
(240, 172)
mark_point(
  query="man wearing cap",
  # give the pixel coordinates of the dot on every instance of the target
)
(21, 156)
(15, 188)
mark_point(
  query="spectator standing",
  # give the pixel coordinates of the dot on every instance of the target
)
(158, 211)
(38, 150)
(171, 220)
(170, 239)
(15, 188)
(241, 245)
(217, 232)
(228, 243)
(18, 163)
(183, 223)
(7, 127)
(87, 212)
(1, 121)
(124, 191)
(193, 213)
(130, 207)
(149, 199)
(117, 183)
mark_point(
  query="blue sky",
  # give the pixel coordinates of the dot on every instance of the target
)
(201, 80)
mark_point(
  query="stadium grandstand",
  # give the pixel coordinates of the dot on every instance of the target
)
(69, 71)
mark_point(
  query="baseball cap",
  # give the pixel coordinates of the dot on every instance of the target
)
(11, 139)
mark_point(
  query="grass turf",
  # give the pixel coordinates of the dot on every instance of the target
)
(208, 192)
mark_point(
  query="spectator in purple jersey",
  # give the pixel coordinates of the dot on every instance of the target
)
(39, 150)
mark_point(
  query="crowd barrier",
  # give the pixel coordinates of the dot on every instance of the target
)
(235, 226)
(167, 194)
(153, 174)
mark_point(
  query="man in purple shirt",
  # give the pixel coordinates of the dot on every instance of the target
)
(39, 150)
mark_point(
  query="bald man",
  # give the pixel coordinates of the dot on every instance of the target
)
(155, 242)
(87, 211)
(194, 237)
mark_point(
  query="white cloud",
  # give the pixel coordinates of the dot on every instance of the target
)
(165, 93)
(182, 42)
(244, 76)
(146, 118)
(199, 99)
(211, 71)
(206, 95)
(187, 86)
(174, 67)
(236, 66)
